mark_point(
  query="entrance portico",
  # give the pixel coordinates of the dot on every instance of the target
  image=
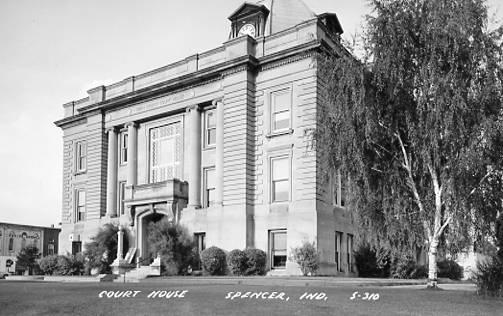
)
(150, 203)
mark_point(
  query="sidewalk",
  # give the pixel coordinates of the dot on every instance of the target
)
(283, 281)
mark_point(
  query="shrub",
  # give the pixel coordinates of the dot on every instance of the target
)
(237, 262)
(174, 244)
(419, 272)
(449, 269)
(49, 264)
(372, 264)
(70, 265)
(489, 277)
(403, 267)
(255, 261)
(213, 261)
(307, 257)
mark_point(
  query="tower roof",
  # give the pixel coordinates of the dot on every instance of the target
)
(285, 13)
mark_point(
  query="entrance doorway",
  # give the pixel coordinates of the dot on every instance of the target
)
(147, 221)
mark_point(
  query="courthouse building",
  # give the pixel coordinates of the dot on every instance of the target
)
(219, 142)
(14, 237)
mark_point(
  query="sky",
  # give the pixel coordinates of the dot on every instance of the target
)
(53, 51)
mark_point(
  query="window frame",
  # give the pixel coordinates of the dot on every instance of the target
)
(272, 180)
(272, 250)
(11, 244)
(121, 190)
(207, 128)
(337, 192)
(200, 240)
(349, 248)
(338, 250)
(206, 201)
(273, 112)
(123, 147)
(176, 163)
(80, 156)
(50, 249)
(80, 216)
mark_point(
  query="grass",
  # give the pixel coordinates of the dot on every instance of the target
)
(40, 298)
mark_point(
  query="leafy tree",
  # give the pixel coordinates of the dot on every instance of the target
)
(173, 243)
(26, 258)
(102, 250)
(417, 124)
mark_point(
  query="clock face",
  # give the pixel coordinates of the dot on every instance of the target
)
(247, 29)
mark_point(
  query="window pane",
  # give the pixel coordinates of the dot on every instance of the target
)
(343, 192)
(280, 191)
(211, 196)
(279, 240)
(81, 198)
(281, 120)
(279, 261)
(281, 101)
(210, 178)
(211, 120)
(280, 170)
(212, 136)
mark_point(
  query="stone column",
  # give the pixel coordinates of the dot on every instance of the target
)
(120, 244)
(219, 155)
(112, 173)
(132, 154)
(194, 156)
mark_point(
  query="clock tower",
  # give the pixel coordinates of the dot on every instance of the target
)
(249, 19)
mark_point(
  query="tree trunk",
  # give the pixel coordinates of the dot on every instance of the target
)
(432, 263)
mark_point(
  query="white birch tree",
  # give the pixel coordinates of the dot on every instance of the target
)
(418, 123)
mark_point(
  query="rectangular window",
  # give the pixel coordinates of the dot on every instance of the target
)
(123, 147)
(50, 249)
(280, 179)
(209, 186)
(80, 156)
(200, 239)
(281, 104)
(76, 247)
(278, 249)
(165, 152)
(210, 129)
(80, 205)
(338, 189)
(338, 244)
(122, 192)
(350, 252)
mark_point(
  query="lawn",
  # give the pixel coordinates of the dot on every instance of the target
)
(38, 298)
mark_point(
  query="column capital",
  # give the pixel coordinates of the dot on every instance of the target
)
(192, 108)
(113, 129)
(217, 101)
(131, 124)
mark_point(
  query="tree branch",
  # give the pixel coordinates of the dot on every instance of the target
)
(412, 184)
(480, 182)
(441, 229)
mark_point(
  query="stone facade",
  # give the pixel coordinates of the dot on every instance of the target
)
(218, 142)
(14, 237)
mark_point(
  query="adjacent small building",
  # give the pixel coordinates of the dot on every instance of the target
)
(14, 237)
(219, 142)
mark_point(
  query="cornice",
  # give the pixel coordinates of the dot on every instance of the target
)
(71, 121)
(174, 85)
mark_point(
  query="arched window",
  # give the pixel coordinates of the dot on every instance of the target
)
(11, 244)
(23, 241)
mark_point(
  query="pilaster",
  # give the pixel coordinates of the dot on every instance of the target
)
(112, 173)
